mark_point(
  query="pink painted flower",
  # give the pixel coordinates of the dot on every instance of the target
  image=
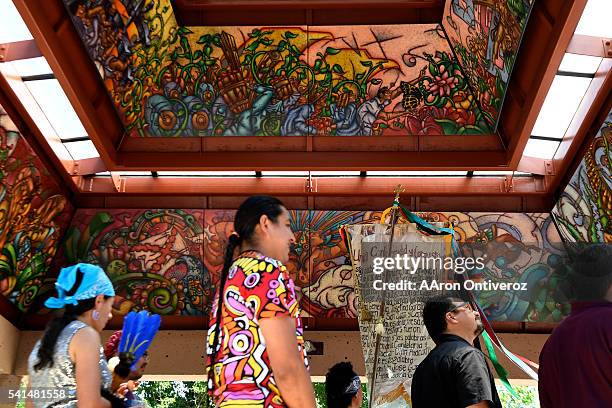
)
(443, 83)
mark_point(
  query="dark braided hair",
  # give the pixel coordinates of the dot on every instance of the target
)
(55, 327)
(336, 380)
(247, 218)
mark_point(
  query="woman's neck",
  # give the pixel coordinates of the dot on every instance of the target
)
(86, 319)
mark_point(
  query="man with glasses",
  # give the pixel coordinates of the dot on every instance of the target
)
(454, 373)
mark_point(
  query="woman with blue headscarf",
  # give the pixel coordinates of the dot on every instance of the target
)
(69, 359)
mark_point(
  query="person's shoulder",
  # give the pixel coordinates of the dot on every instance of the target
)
(86, 335)
(464, 353)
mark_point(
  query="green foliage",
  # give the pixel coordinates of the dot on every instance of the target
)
(191, 394)
(174, 394)
(527, 397)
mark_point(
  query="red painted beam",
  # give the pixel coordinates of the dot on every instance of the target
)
(302, 12)
(320, 186)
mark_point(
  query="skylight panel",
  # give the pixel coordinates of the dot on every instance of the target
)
(560, 105)
(31, 66)
(12, 27)
(84, 149)
(584, 64)
(542, 149)
(595, 19)
(57, 108)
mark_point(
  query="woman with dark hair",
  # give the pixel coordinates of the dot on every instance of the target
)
(69, 359)
(255, 343)
(343, 387)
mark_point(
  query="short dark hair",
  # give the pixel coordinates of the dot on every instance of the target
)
(337, 380)
(434, 314)
(591, 274)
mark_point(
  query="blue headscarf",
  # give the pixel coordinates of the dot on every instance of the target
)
(94, 283)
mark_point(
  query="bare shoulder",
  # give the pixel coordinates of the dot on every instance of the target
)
(87, 337)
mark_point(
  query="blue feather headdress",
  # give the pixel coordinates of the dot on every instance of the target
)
(137, 333)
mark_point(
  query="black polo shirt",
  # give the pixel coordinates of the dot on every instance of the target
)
(453, 375)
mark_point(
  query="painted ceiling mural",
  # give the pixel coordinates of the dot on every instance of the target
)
(33, 216)
(584, 210)
(169, 261)
(168, 81)
(485, 36)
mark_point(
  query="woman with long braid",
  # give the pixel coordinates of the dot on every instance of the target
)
(68, 359)
(255, 343)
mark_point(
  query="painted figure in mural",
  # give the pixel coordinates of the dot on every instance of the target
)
(296, 120)
(343, 387)
(454, 373)
(344, 115)
(69, 356)
(575, 362)
(255, 344)
(249, 122)
(372, 109)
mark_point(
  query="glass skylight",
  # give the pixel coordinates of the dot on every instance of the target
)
(12, 27)
(31, 66)
(560, 105)
(595, 19)
(57, 108)
(543, 149)
(82, 150)
(584, 64)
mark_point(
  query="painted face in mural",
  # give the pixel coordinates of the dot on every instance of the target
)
(276, 238)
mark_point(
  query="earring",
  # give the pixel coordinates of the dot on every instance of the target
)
(95, 315)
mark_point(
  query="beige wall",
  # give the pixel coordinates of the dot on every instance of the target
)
(9, 343)
(181, 353)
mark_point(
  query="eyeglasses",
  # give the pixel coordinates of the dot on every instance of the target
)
(467, 305)
(353, 386)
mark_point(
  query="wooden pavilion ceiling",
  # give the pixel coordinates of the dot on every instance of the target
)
(131, 106)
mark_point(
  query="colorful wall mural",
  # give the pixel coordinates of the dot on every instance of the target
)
(168, 261)
(584, 210)
(485, 36)
(33, 216)
(153, 257)
(168, 81)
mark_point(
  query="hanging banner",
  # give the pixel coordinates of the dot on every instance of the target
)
(393, 279)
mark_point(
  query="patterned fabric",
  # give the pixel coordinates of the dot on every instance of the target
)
(94, 282)
(257, 288)
(62, 375)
